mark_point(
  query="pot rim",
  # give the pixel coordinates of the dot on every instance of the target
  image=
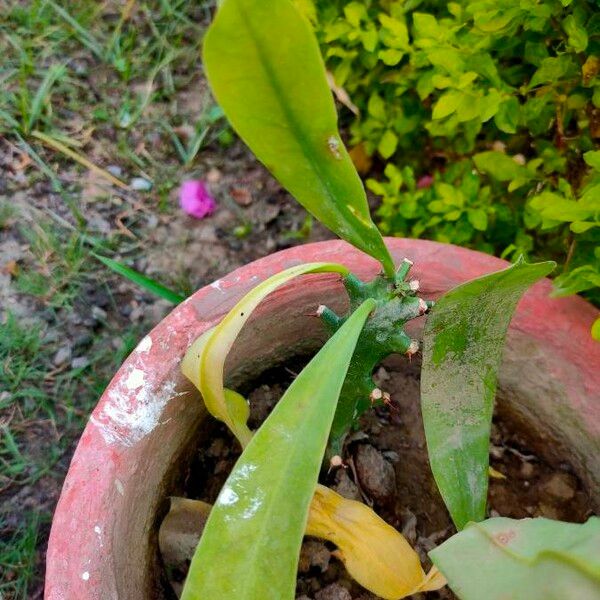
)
(80, 557)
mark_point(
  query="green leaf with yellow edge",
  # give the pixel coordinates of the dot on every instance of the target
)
(204, 362)
(596, 329)
(528, 559)
(373, 552)
(250, 547)
(462, 348)
(264, 65)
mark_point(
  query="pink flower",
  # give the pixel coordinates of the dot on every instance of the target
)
(425, 182)
(195, 199)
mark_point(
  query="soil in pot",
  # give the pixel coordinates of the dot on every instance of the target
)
(387, 468)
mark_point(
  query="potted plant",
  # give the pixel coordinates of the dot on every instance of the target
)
(266, 71)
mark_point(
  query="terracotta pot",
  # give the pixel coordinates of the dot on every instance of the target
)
(103, 540)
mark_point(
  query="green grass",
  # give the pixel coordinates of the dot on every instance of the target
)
(85, 74)
(42, 413)
(17, 556)
(116, 84)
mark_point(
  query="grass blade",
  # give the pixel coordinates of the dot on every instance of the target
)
(144, 282)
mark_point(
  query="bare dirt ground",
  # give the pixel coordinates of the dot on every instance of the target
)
(86, 318)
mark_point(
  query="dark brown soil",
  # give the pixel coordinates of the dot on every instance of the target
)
(387, 467)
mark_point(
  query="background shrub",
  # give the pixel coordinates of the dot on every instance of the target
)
(488, 114)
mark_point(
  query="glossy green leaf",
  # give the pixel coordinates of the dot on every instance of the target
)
(264, 66)
(529, 559)
(144, 282)
(462, 347)
(250, 547)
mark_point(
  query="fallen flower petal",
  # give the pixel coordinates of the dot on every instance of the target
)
(195, 199)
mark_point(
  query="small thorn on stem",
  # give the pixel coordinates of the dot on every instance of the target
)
(336, 462)
(376, 395)
(413, 348)
(328, 316)
(414, 285)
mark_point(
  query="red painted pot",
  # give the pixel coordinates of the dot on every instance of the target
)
(103, 542)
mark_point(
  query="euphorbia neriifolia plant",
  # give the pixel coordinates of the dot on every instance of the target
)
(266, 72)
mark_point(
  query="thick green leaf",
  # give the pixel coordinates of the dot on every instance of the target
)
(264, 66)
(530, 559)
(462, 347)
(144, 282)
(249, 549)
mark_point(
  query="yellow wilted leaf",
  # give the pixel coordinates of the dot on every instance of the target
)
(204, 361)
(496, 474)
(374, 553)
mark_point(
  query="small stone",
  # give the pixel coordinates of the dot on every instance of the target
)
(392, 456)
(333, 592)
(527, 470)
(345, 487)
(381, 375)
(80, 362)
(222, 467)
(214, 175)
(376, 475)
(242, 196)
(409, 526)
(545, 510)
(140, 184)
(496, 452)
(152, 221)
(217, 448)
(561, 486)
(115, 170)
(62, 356)
(314, 554)
(98, 313)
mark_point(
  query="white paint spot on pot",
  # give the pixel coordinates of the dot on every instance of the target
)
(217, 285)
(135, 379)
(144, 345)
(132, 409)
(98, 532)
(119, 487)
(85, 576)
(133, 406)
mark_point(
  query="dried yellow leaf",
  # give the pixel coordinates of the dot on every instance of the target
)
(496, 474)
(374, 553)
